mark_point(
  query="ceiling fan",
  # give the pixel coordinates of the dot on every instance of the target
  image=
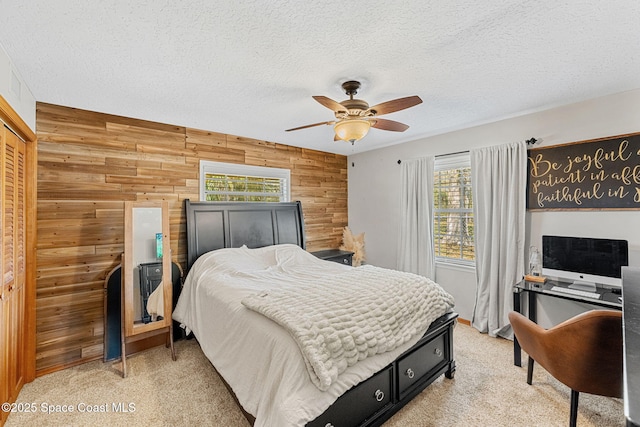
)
(354, 117)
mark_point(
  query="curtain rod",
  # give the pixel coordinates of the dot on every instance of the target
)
(442, 155)
(530, 141)
(451, 154)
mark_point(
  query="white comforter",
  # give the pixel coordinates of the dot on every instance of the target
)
(340, 320)
(258, 358)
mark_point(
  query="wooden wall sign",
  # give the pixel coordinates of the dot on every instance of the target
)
(596, 174)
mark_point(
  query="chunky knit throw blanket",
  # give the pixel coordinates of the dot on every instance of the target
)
(354, 315)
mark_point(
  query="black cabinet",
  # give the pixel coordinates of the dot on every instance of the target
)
(335, 255)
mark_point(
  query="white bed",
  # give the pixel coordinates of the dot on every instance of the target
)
(258, 358)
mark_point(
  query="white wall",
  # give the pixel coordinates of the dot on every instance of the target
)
(15, 91)
(374, 189)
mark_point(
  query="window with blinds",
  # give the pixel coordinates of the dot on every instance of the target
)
(453, 210)
(225, 182)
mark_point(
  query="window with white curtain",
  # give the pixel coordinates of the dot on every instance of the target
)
(228, 182)
(453, 210)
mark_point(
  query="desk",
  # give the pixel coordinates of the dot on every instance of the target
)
(608, 299)
(631, 331)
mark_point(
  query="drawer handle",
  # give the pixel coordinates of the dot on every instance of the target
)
(328, 425)
(344, 260)
(379, 395)
(410, 373)
(438, 352)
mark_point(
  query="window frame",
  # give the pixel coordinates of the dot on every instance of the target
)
(451, 162)
(208, 166)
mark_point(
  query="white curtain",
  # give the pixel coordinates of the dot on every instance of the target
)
(415, 249)
(499, 179)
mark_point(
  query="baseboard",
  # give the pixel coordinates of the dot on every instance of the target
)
(464, 321)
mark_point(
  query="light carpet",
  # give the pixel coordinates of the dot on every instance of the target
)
(488, 390)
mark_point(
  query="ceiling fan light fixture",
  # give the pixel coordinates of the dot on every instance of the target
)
(352, 130)
(355, 117)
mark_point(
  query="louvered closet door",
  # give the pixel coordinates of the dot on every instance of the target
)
(13, 260)
(4, 302)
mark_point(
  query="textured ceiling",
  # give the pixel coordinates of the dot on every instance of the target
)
(250, 68)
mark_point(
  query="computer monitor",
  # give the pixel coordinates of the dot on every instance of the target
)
(584, 261)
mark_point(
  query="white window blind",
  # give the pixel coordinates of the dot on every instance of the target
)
(453, 210)
(227, 182)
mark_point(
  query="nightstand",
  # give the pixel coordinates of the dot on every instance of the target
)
(150, 279)
(335, 255)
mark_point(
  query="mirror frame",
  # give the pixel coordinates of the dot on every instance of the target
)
(130, 327)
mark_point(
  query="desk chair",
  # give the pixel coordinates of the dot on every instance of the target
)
(584, 353)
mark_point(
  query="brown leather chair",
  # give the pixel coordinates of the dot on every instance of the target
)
(584, 352)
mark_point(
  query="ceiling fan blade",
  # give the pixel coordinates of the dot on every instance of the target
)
(385, 124)
(395, 105)
(331, 104)
(310, 126)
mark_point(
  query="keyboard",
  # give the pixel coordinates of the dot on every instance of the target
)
(576, 292)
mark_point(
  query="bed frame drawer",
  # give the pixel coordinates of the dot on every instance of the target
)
(429, 358)
(363, 402)
(419, 364)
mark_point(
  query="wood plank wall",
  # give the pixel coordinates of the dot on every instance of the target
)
(90, 163)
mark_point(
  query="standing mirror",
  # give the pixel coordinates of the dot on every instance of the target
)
(146, 274)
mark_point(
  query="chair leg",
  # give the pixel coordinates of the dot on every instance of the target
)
(573, 418)
(530, 371)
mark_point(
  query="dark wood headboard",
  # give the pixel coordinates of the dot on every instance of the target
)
(217, 225)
